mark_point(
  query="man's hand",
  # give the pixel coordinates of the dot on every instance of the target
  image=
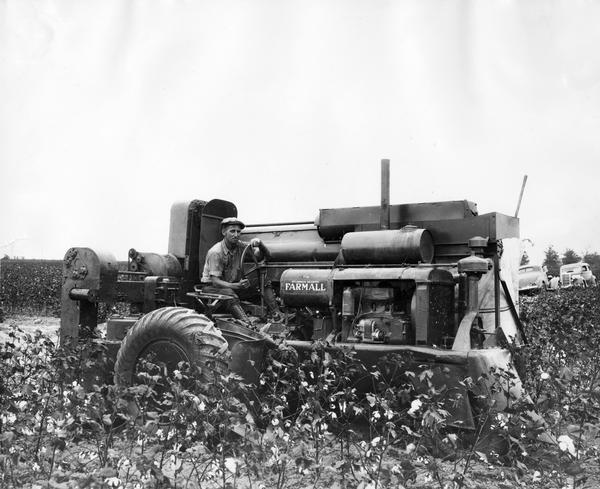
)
(261, 252)
(243, 284)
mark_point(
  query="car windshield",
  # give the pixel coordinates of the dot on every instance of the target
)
(529, 269)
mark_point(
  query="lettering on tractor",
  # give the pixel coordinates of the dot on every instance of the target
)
(434, 282)
(299, 286)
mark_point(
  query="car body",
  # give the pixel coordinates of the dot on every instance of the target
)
(577, 275)
(532, 278)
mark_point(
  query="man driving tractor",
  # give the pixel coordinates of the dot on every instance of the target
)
(223, 273)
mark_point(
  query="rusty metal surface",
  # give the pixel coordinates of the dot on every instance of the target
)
(306, 287)
(248, 358)
(368, 217)
(154, 263)
(210, 227)
(92, 274)
(417, 274)
(294, 243)
(406, 245)
(384, 218)
(117, 327)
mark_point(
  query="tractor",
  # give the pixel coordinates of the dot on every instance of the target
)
(435, 282)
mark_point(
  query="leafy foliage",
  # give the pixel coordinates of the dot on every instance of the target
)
(552, 261)
(562, 372)
(307, 423)
(593, 259)
(570, 256)
(31, 286)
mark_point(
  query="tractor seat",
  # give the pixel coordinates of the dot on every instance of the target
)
(209, 301)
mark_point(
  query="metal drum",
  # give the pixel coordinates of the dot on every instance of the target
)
(409, 244)
(293, 243)
(308, 287)
(154, 264)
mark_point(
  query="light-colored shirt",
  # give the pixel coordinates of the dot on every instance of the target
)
(223, 263)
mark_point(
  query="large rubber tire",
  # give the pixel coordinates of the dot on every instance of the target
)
(172, 335)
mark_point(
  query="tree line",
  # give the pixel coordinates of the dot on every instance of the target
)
(553, 260)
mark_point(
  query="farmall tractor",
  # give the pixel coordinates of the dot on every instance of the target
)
(433, 282)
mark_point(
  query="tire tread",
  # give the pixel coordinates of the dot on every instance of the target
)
(194, 332)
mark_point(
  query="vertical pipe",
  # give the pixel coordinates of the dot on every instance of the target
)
(521, 195)
(384, 221)
(496, 290)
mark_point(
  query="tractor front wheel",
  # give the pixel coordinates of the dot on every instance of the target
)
(168, 336)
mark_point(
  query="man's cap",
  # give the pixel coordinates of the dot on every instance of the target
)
(232, 221)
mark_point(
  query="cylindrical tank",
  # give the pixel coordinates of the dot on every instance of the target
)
(306, 287)
(347, 302)
(293, 243)
(154, 264)
(302, 251)
(406, 245)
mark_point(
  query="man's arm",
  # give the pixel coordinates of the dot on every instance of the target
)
(264, 254)
(213, 269)
(219, 282)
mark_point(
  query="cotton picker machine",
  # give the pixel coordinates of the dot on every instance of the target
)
(433, 282)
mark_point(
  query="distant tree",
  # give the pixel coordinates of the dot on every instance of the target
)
(552, 261)
(569, 256)
(594, 261)
(524, 259)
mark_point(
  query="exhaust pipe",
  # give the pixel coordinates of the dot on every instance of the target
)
(384, 219)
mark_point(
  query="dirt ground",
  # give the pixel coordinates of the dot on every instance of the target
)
(29, 324)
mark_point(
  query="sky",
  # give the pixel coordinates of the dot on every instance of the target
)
(112, 110)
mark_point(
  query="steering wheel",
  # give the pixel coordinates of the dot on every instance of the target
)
(255, 266)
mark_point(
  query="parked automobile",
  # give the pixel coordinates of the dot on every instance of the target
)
(533, 278)
(577, 275)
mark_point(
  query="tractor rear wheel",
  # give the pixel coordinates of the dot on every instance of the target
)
(168, 336)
